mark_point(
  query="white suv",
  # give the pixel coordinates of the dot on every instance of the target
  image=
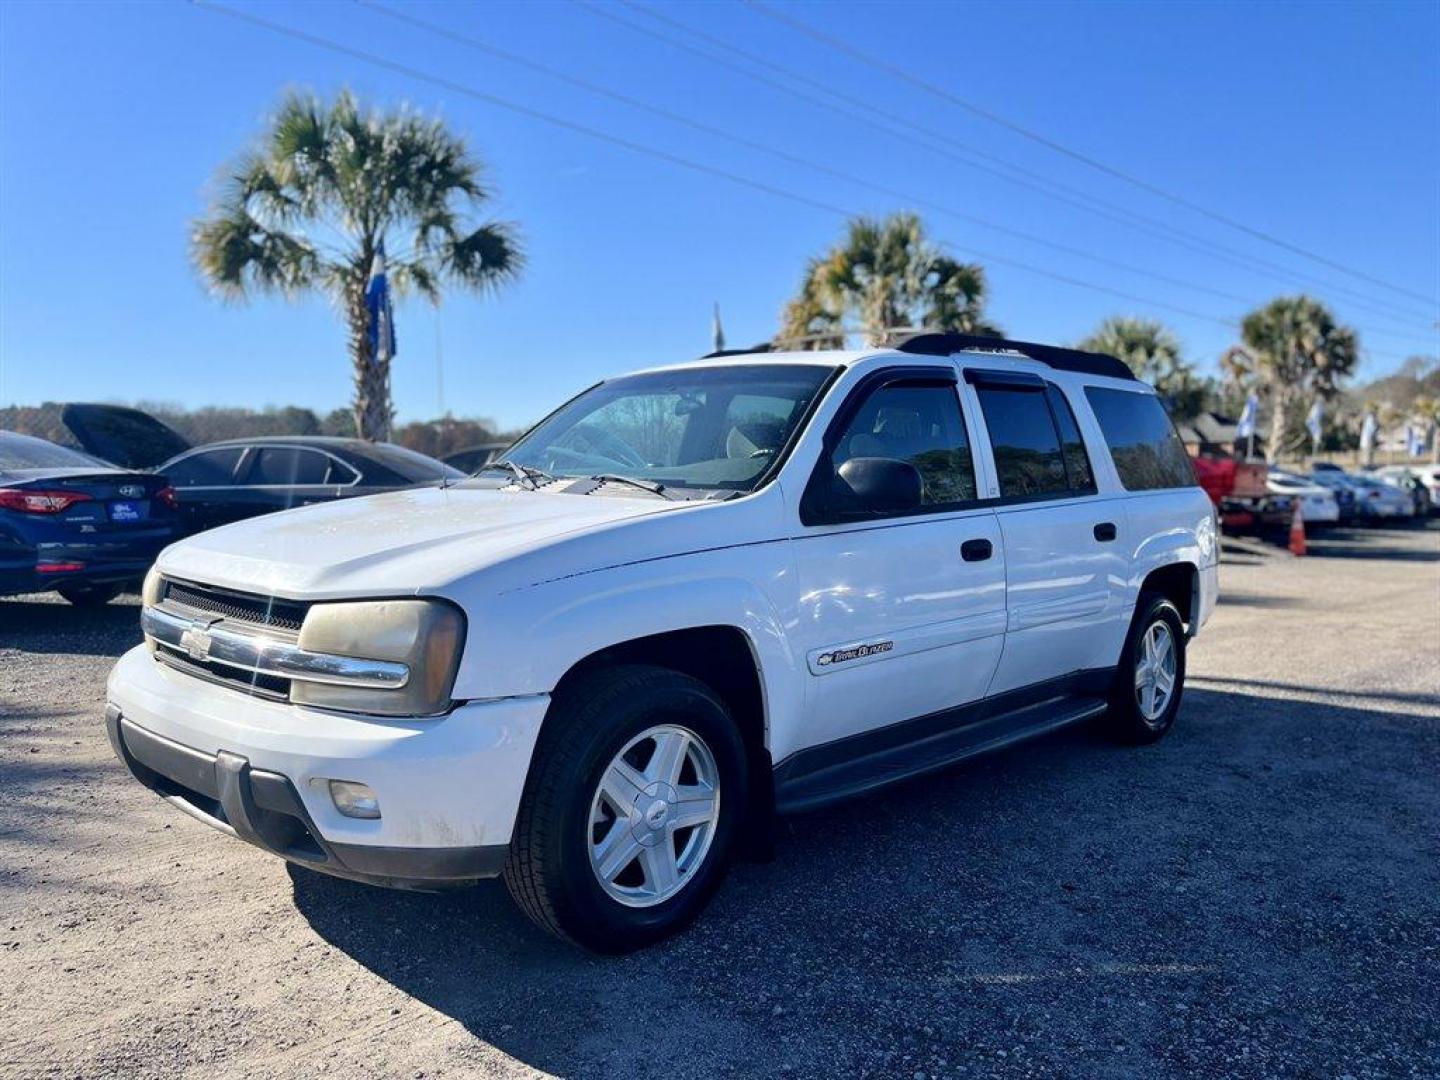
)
(687, 600)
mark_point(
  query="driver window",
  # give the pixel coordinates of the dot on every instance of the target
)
(921, 425)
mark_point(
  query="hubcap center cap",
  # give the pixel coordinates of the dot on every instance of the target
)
(652, 813)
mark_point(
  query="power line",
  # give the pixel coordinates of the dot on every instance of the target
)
(965, 154)
(375, 60)
(995, 118)
(489, 49)
(783, 155)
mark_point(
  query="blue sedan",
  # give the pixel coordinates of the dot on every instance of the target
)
(72, 523)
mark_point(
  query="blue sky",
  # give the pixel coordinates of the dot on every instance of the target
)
(1318, 123)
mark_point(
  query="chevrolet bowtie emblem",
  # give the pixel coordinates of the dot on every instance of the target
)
(196, 639)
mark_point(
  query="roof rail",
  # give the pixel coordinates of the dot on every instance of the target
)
(762, 347)
(1086, 363)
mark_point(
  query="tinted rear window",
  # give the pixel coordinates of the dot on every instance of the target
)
(410, 464)
(27, 452)
(1147, 450)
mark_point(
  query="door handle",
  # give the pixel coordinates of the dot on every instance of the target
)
(976, 550)
(1105, 531)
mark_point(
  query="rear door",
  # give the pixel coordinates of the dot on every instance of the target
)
(900, 616)
(280, 477)
(1066, 544)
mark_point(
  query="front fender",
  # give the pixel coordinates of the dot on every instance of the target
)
(524, 641)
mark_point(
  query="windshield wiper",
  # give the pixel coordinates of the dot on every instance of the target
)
(643, 485)
(522, 473)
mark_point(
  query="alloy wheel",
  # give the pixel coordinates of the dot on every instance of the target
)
(653, 816)
(1155, 671)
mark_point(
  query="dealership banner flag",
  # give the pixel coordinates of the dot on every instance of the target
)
(382, 315)
(1368, 427)
(1312, 422)
(1246, 425)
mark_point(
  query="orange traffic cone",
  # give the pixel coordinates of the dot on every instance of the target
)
(1297, 531)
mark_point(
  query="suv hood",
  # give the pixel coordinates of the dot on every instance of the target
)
(399, 543)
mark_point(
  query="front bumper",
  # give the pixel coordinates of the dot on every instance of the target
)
(258, 770)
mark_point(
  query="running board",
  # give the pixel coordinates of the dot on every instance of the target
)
(863, 763)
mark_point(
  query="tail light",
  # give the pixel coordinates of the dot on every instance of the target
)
(168, 497)
(29, 501)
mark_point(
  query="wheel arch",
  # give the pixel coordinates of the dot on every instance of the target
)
(1178, 582)
(724, 658)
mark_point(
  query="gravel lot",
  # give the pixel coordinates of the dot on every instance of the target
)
(1258, 895)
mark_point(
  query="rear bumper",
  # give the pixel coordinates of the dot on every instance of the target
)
(100, 561)
(448, 787)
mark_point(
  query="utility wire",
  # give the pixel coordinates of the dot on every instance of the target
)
(375, 60)
(965, 154)
(943, 94)
(783, 155)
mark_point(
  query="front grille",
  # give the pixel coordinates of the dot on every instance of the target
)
(248, 608)
(271, 687)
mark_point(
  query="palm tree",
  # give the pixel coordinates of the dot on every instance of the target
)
(1152, 351)
(1292, 350)
(887, 275)
(312, 203)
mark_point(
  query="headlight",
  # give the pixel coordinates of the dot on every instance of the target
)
(425, 635)
(150, 591)
(149, 597)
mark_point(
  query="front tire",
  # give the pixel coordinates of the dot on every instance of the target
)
(631, 810)
(1150, 679)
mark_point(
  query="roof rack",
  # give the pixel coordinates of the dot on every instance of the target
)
(1086, 363)
(763, 347)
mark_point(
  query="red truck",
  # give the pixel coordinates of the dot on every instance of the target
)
(1241, 494)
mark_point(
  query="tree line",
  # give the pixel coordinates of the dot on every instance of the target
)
(437, 437)
(348, 202)
(885, 276)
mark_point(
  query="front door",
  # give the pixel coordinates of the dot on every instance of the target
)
(900, 616)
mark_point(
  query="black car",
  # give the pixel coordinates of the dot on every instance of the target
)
(471, 459)
(79, 526)
(226, 481)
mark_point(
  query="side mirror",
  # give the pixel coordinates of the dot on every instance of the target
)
(882, 485)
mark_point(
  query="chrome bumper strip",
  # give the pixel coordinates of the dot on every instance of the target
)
(208, 639)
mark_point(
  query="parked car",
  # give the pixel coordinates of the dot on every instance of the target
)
(77, 525)
(1430, 476)
(1413, 479)
(1372, 499)
(1318, 504)
(1345, 494)
(690, 598)
(470, 460)
(1242, 496)
(234, 479)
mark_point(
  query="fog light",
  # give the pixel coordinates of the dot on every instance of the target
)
(354, 800)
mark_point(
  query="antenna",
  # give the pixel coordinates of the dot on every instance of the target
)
(440, 397)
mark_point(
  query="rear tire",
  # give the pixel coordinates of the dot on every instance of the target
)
(599, 856)
(89, 596)
(1150, 680)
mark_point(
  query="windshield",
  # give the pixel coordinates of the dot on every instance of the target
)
(27, 452)
(702, 427)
